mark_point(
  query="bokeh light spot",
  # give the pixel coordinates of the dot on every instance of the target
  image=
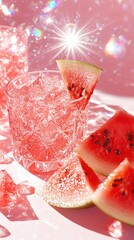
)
(116, 46)
(52, 4)
(37, 32)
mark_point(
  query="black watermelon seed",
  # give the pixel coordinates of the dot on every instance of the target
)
(118, 179)
(108, 149)
(130, 137)
(123, 192)
(106, 132)
(92, 135)
(66, 170)
(117, 151)
(72, 85)
(106, 142)
(131, 145)
(114, 184)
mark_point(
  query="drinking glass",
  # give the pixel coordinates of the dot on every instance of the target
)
(13, 59)
(45, 123)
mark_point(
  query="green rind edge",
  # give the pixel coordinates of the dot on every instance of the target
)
(68, 64)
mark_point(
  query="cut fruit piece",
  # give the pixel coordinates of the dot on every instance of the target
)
(115, 196)
(71, 186)
(80, 79)
(108, 146)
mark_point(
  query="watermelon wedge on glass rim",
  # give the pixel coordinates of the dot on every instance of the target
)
(80, 79)
(71, 186)
(115, 196)
(108, 146)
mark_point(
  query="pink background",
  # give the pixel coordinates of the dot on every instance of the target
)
(112, 18)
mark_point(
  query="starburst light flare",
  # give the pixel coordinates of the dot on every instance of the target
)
(49, 20)
(73, 41)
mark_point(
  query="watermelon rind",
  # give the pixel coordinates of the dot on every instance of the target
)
(80, 78)
(117, 204)
(82, 67)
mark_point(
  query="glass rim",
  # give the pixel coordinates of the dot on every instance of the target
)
(26, 74)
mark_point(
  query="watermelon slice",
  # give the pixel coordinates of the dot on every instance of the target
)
(107, 147)
(71, 186)
(115, 196)
(80, 79)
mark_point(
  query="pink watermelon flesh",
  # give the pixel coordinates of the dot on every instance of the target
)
(104, 149)
(71, 186)
(80, 79)
(115, 196)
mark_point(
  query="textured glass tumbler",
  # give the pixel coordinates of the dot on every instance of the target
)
(13, 59)
(45, 123)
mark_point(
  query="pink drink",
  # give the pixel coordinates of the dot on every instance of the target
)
(13, 58)
(45, 123)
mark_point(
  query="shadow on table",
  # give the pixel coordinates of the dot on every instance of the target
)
(95, 220)
(21, 211)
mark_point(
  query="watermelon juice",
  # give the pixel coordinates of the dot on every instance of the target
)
(45, 123)
(13, 58)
